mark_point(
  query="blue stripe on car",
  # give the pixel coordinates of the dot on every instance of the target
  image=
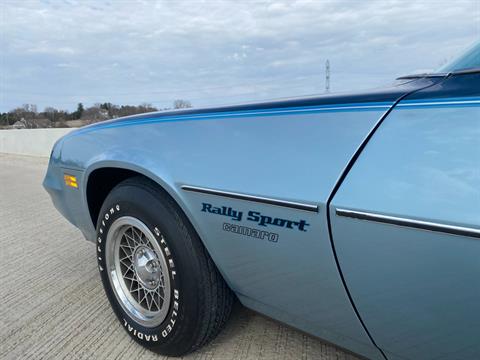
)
(240, 114)
(407, 104)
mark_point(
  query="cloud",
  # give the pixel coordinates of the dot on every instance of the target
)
(213, 52)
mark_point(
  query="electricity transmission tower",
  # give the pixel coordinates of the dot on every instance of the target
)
(327, 76)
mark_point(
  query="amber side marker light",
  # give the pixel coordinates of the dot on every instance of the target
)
(71, 181)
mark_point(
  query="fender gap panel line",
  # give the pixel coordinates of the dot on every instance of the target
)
(342, 177)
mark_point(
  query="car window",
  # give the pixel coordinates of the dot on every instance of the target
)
(469, 60)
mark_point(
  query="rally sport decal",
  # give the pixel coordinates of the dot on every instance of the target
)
(255, 217)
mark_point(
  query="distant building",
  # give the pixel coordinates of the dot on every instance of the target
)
(19, 125)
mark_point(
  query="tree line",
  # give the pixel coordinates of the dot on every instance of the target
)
(28, 116)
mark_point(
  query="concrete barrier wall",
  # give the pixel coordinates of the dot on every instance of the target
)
(34, 142)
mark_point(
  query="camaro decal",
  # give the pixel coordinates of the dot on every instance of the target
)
(254, 216)
(243, 230)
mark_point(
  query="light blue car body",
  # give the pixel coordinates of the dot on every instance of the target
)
(379, 289)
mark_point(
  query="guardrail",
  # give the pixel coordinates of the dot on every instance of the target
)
(33, 142)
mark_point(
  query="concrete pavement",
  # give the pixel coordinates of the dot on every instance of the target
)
(52, 304)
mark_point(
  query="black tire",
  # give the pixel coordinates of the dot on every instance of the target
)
(200, 301)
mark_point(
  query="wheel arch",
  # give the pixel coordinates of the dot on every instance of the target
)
(100, 183)
(101, 178)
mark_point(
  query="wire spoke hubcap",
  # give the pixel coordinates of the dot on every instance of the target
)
(147, 267)
(138, 271)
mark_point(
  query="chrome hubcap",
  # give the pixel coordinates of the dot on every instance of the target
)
(138, 272)
(147, 267)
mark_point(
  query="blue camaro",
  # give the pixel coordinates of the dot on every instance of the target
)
(353, 217)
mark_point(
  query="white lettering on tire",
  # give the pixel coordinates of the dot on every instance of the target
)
(101, 230)
(170, 323)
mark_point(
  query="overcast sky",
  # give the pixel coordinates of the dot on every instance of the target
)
(58, 53)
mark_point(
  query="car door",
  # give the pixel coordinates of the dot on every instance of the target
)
(406, 225)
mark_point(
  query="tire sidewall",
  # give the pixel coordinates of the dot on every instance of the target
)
(145, 206)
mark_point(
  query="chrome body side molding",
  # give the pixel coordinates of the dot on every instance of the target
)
(417, 224)
(259, 199)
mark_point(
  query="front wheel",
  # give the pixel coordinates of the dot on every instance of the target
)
(159, 279)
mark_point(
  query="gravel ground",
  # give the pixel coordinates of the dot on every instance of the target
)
(53, 305)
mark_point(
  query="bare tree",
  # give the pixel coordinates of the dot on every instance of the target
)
(95, 113)
(50, 113)
(182, 104)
